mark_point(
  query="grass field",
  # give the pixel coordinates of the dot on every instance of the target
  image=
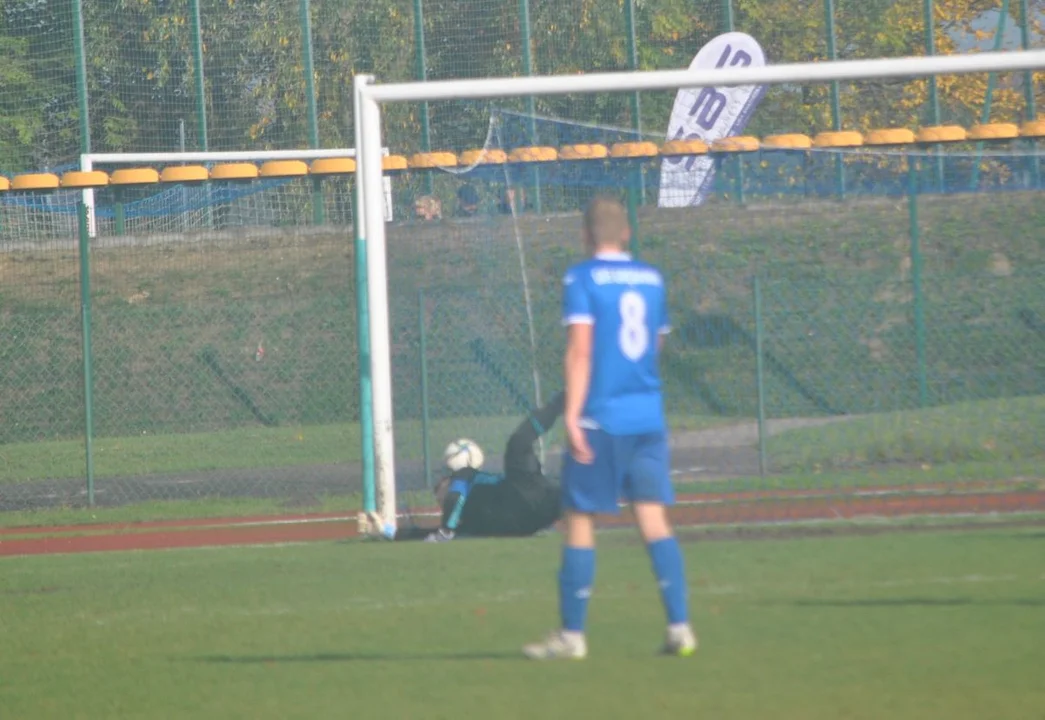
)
(920, 625)
(1003, 431)
(254, 447)
(1008, 430)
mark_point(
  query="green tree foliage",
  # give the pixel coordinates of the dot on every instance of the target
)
(141, 74)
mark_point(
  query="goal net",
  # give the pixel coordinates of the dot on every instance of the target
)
(843, 307)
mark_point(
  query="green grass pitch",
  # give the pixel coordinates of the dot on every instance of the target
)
(927, 624)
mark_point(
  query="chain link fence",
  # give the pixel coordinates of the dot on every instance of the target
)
(892, 339)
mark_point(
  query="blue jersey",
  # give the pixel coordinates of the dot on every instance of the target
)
(626, 302)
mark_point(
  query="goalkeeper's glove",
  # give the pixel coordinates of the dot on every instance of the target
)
(440, 535)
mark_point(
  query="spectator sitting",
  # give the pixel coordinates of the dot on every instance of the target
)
(513, 201)
(467, 201)
(427, 208)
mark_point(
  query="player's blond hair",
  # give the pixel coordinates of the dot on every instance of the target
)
(606, 223)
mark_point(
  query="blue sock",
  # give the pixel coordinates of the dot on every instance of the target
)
(671, 577)
(575, 580)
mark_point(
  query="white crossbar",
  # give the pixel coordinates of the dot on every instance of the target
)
(674, 79)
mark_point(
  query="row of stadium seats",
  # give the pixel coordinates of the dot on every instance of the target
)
(246, 172)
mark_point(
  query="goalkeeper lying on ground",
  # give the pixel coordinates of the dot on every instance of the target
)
(520, 501)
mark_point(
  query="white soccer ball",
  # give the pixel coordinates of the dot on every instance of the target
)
(463, 453)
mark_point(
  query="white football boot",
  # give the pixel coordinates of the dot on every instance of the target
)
(680, 641)
(560, 645)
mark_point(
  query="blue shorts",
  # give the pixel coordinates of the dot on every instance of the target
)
(634, 468)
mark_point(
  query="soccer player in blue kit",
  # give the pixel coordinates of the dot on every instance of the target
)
(615, 310)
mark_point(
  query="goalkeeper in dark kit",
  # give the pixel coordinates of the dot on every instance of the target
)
(517, 502)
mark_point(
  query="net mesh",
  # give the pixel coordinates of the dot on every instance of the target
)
(225, 358)
(893, 333)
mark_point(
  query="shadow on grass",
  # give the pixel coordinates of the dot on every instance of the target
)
(919, 602)
(347, 657)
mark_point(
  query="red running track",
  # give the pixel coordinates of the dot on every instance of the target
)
(733, 508)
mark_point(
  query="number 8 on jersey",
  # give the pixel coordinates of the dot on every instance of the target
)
(625, 301)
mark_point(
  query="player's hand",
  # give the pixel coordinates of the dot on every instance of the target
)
(580, 450)
(440, 535)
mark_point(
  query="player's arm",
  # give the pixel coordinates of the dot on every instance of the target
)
(580, 330)
(579, 319)
(577, 370)
(664, 321)
(453, 505)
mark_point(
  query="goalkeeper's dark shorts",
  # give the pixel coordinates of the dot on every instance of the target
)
(511, 508)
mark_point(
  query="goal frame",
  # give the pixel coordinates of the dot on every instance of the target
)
(370, 96)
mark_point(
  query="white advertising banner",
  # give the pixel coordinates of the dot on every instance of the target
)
(709, 114)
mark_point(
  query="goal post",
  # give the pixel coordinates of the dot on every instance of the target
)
(370, 97)
(383, 209)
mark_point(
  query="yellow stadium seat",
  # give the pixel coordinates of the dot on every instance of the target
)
(838, 139)
(283, 169)
(583, 152)
(75, 179)
(239, 172)
(394, 162)
(889, 136)
(684, 147)
(941, 134)
(134, 176)
(184, 174)
(738, 144)
(789, 141)
(35, 182)
(5, 184)
(428, 160)
(333, 166)
(634, 150)
(1032, 129)
(483, 157)
(993, 131)
(533, 155)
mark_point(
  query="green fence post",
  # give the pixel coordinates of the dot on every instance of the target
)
(760, 381)
(916, 281)
(636, 100)
(633, 194)
(309, 71)
(727, 15)
(1028, 91)
(83, 99)
(531, 103)
(836, 103)
(119, 213)
(79, 48)
(201, 89)
(421, 70)
(199, 76)
(739, 180)
(985, 116)
(85, 342)
(83, 231)
(729, 26)
(425, 437)
(929, 19)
